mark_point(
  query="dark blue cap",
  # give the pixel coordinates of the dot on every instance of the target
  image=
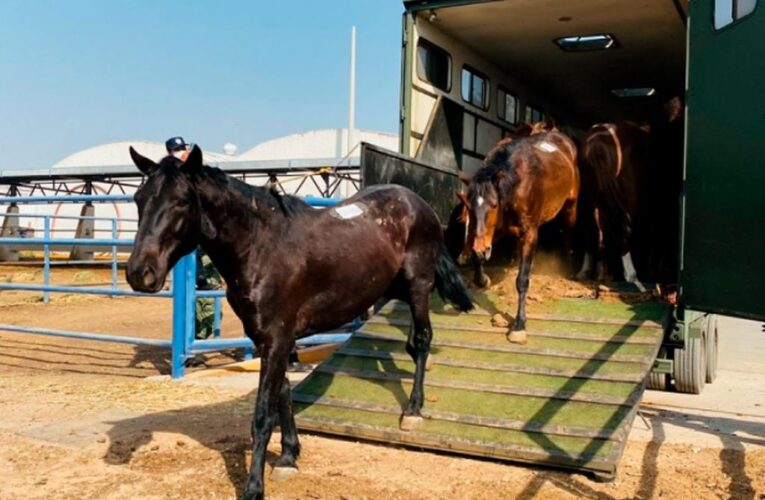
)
(175, 143)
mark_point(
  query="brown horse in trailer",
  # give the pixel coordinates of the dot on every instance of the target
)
(613, 161)
(524, 183)
(456, 234)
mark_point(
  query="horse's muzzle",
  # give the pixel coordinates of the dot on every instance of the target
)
(484, 255)
(144, 279)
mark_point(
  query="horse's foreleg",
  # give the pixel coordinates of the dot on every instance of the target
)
(273, 369)
(528, 246)
(418, 347)
(480, 278)
(286, 466)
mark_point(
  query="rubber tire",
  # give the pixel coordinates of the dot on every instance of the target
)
(657, 381)
(712, 348)
(690, 366)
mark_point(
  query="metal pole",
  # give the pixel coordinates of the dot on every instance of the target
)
(114, 254)
(190, 283)
(352, 93)
(216, 318)
(46, 259)
(179, 319)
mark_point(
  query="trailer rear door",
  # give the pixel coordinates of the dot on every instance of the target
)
(723, 253)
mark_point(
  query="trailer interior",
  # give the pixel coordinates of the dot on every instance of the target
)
(494, 64)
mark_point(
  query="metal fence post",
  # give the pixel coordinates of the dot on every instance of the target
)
(114, 254)
(178, 355)
(190, 283)
(46, 258)
(216, 318)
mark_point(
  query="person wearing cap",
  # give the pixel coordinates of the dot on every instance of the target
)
(207, 277)
(177, 147)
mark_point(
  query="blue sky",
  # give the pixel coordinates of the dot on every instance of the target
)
(80, 73)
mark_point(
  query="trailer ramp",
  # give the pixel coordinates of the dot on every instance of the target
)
(567, 399)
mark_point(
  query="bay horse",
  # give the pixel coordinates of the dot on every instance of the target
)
(456, 233)
(613, 161)
(291, 273)
(523, 183)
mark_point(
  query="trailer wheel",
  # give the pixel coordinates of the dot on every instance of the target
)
(690, 366)
(711, 346)
(657, 381)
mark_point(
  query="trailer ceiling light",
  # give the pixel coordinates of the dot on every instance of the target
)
(634, 92)
(577, 43)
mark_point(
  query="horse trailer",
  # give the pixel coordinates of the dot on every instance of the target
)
(473, 70)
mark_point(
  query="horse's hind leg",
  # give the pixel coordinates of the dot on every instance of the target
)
(418, 347)
(286, 466)
(528, 246)
(569, 221)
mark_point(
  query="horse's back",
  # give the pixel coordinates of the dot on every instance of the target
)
(388, 199)
(546, 166)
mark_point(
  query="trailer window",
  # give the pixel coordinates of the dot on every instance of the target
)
(474, 88)
(727, 11)
(434, 65)
(507, 106)
(533, 115)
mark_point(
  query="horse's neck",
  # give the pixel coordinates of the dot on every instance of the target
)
(244, 230)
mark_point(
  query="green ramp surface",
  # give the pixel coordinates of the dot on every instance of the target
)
(567, 398)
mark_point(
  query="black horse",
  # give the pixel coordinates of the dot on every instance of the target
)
(291, 272)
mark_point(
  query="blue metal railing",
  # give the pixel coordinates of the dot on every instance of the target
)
(183, 344)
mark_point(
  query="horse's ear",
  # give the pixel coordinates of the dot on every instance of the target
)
(523, 130)
(464, 177)
(193, 163)
(145, 165)
(463, 198)
(550, 124)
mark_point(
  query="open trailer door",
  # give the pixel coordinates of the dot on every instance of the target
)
(723, 251)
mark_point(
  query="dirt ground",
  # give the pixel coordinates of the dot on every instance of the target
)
(81, 420)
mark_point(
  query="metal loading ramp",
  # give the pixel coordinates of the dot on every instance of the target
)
(568, 398)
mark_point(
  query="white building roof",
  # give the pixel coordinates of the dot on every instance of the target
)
(322, 143)
(116, 154)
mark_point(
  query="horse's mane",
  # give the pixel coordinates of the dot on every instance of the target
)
(286, 204)
(497, 160)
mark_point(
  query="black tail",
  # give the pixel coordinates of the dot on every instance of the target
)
(449, 282)
(454, 234)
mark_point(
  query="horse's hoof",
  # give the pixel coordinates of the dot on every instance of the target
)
(409, 422)
(429, 363)
(282, 473)
(483, 282)
(641, 288)
(518, 337)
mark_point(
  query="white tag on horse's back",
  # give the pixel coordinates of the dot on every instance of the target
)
(547, 147)
(349, 211)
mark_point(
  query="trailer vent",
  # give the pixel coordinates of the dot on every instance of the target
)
(634, 92)
(581, 43)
